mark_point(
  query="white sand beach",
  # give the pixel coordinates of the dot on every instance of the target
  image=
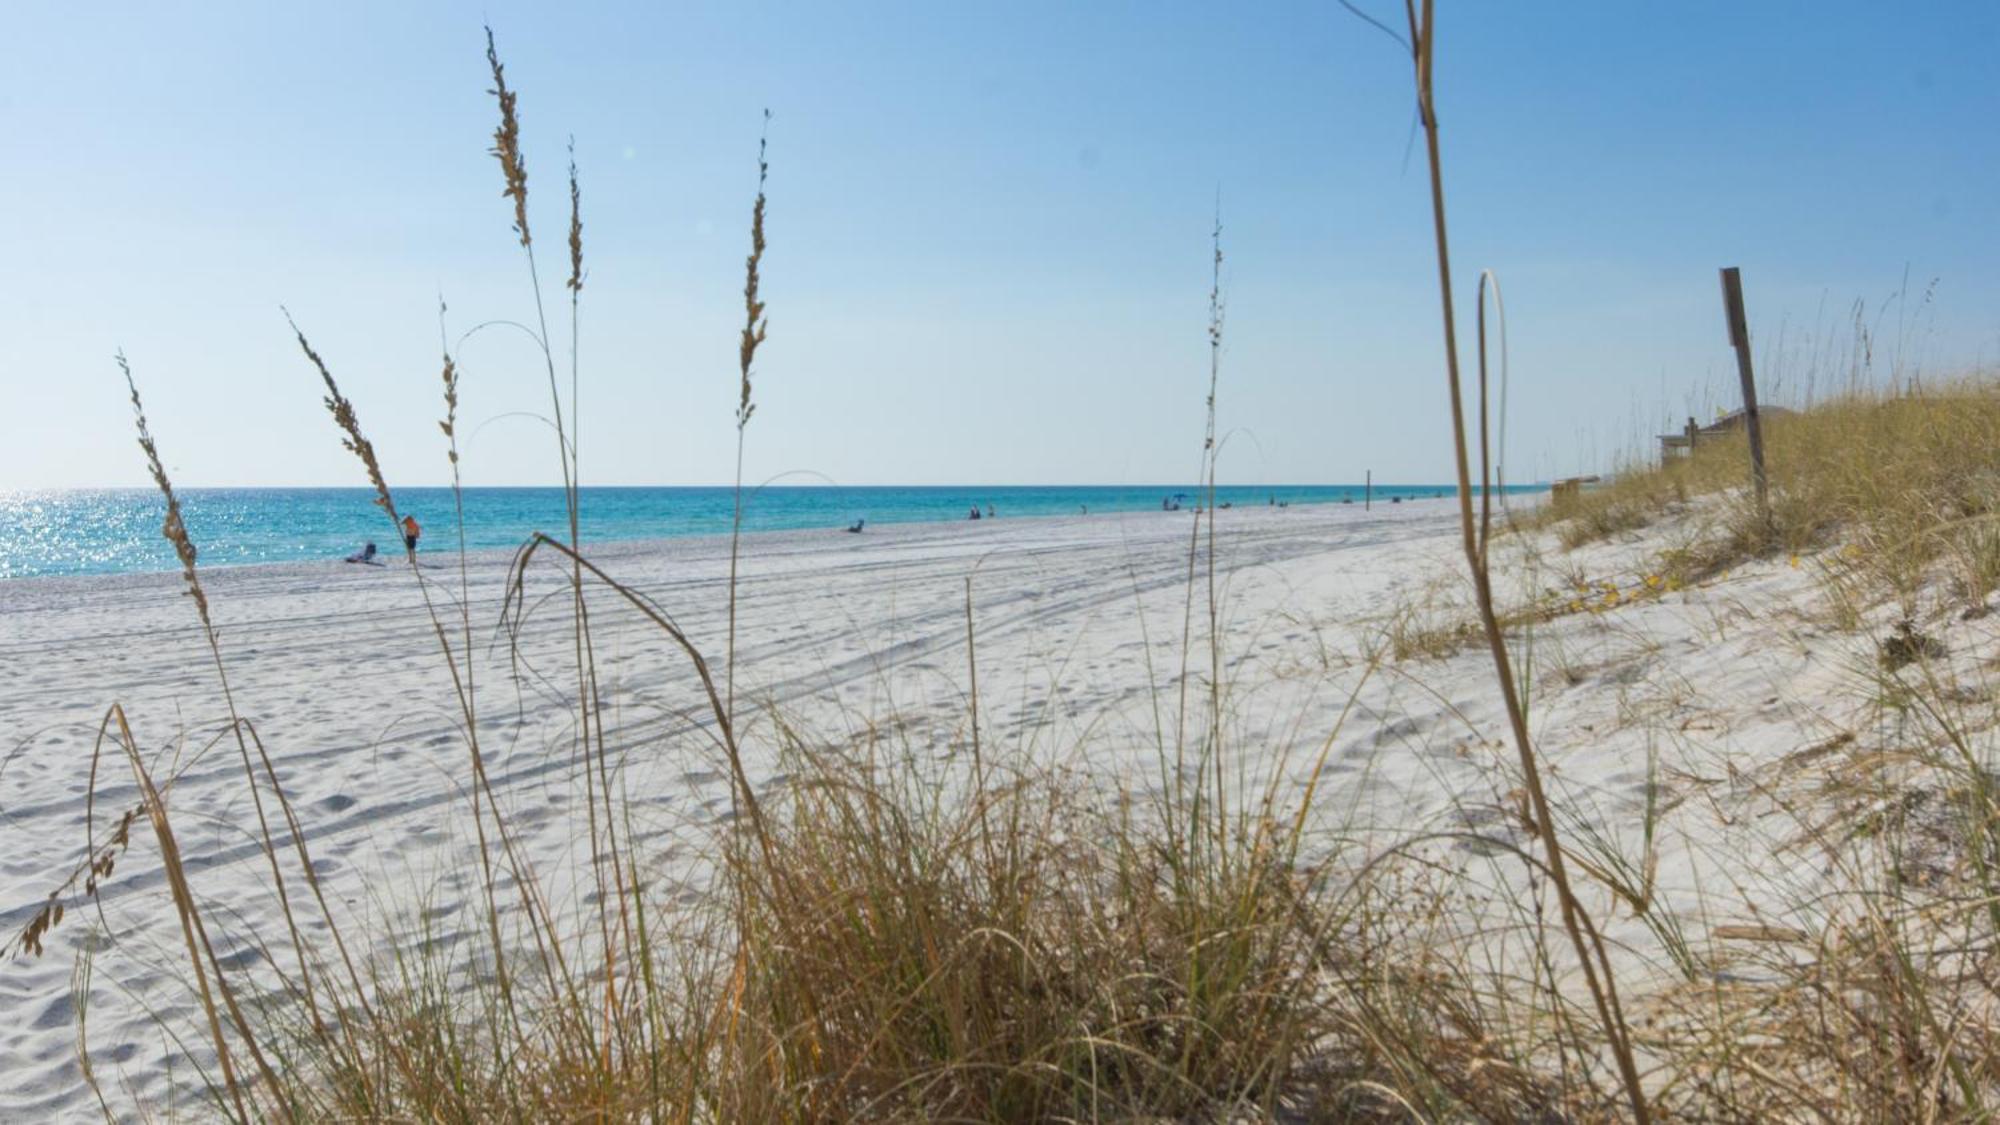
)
(1687, 698)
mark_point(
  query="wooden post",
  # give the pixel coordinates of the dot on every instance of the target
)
(1368, 492)
(1693, 432)
(1739, 338)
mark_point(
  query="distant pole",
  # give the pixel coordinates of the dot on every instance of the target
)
(1693, 432)
(1739, 338)
(1368, 492)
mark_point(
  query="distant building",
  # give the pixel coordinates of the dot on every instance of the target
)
(1683, 443)
(1565, 491)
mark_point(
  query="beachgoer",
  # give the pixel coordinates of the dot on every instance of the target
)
(974, 514)
(365, 555)
(989, 512)
(855, 527)
(411, 533)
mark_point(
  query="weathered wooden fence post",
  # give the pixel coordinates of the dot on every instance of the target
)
(1739, 338)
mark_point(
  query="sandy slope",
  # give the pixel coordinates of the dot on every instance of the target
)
(1079, 626)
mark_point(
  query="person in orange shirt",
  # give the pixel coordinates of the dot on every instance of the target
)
(411, 533)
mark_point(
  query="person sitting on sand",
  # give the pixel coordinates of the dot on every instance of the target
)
(411, 533)
(365, 555)
(855, 527)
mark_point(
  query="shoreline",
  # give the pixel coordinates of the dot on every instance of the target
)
(393, 561)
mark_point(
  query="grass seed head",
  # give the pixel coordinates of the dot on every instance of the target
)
(755, 324)
(172, 528)
(350, 426)
(507, 143)
(575, 225)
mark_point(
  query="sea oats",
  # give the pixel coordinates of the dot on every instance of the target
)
(172, 528)
(507, 143)
(450, 423)
(755, 324)
(755, 327)
(350, 426)
(575, 224)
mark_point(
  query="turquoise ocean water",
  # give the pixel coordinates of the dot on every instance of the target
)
(118, 531)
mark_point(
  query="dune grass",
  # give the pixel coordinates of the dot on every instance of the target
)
(977, 937)
(1904, 477)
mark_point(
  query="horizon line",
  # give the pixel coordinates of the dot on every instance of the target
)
(752, 487)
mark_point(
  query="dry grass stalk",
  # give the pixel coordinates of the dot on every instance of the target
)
(1209, 455)
(97, 864)
(516, 599)
(1589, 946)
(1205, 479)
(192, 933)
(755, 327)
(175, 530)
(589, 726)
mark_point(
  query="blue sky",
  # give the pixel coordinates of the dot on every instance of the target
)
(988, 229)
